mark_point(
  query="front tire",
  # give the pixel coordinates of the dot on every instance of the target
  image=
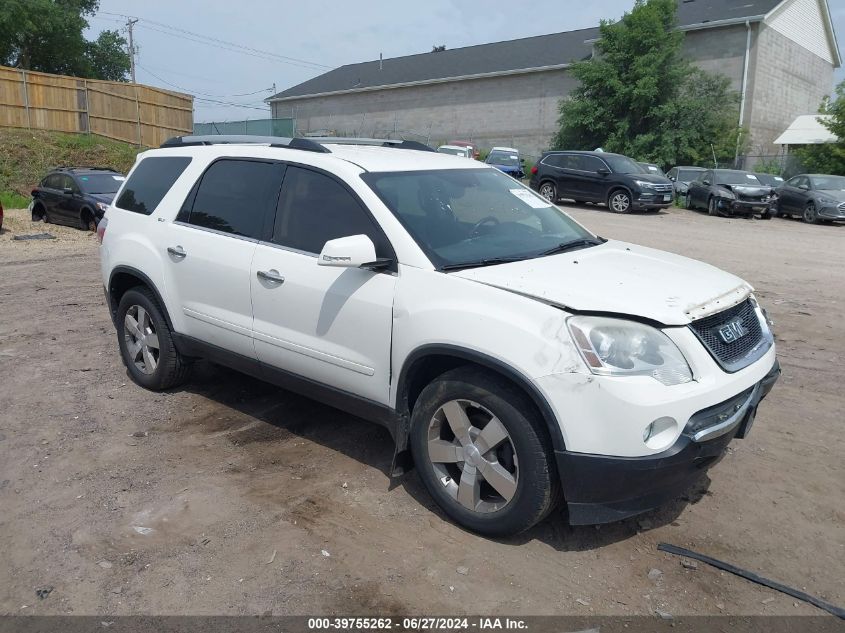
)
(146, 343)
(810, 216)
(711, 206)
(482, 452)
(619, 201)
(87, 221)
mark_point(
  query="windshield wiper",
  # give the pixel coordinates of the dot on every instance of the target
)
(491, 261)
(573, 244)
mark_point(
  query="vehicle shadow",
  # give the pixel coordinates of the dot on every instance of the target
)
(287, 413)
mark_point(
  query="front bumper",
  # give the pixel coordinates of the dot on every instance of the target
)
(602, 489)
(651, 200)
(744, 207)
(832, 213)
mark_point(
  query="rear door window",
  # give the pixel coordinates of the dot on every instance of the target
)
(236, 196)
(150, 181)
(592, 164)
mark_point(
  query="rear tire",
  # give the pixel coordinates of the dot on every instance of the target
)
(549, 191)
(711, 206)
(496, 491)
(87, 222)
(146, 344)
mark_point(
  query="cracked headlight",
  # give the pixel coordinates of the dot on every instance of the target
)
(616, 347)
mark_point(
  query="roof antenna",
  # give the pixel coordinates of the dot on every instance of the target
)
(380, 61)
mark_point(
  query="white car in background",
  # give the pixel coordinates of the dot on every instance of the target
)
(456, 150)
(515, 356)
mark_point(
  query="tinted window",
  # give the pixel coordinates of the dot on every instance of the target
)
(688, 175)
(234, 196)
(828, 183)
(149, 183)
(68, 183)
(591, 163)
(735, 177)
(555, 160)
(53, 181)
(314, 209)
(623, 165)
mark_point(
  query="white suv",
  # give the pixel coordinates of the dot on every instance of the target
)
(516, 357)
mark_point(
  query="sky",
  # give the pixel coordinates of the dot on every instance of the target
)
(265, 42)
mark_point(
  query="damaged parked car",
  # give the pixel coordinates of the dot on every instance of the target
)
(76, 196)
(729, 192)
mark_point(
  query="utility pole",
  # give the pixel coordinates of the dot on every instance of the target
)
(130, 22)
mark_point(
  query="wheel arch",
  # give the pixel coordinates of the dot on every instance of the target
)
(619, 187)
(124, 278)
(427, 362)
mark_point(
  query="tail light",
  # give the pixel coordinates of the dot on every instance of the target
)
(101, 229)
(534, 169)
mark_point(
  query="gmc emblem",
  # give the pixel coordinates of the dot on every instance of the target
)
(732, 331)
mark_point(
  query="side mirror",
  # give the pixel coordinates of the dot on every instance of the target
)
(354, 251)
(803, 187)
(705, 182)
(603, 172)
(672, 178)
(67, 191)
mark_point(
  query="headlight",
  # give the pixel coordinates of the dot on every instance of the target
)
(727, 195)
(616, 347)
(826, 200)
(642, 184)
(102, 206)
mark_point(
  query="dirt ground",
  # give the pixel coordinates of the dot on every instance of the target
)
(230, 496)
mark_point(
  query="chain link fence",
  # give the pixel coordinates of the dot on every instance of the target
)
(248, 127)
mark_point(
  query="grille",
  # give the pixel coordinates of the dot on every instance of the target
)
(842, 206)
(663, 188)
(759, 198)
(740, 352)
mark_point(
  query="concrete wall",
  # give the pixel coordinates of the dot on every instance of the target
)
(787, 80)
(719, 51)
(515, 110)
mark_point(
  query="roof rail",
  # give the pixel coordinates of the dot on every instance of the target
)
(376, 142)
(225, 139)
(89, 167)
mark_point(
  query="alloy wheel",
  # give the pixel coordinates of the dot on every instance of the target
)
(810, 214)
(620, 202)
(547, 190)
(141, 339)
(473, 456)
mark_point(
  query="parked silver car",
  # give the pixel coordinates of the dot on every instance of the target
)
(813, 197)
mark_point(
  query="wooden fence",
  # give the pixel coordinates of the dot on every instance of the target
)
(133, 113)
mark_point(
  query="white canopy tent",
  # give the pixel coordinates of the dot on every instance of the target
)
(806, 130)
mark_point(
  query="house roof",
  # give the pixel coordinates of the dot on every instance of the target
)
(542, 52)
(806, 130)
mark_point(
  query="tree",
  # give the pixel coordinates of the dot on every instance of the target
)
(47, 35)
(828, 158)
(639, 96)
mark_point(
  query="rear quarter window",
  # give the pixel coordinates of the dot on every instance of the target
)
(149, 183)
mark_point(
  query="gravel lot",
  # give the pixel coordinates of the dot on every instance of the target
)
(229, 496)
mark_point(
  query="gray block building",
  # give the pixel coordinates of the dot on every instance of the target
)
(780, 56)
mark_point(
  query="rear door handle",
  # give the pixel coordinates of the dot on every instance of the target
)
(271, 275)
(177, 252)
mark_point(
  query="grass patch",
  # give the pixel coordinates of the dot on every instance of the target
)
(12, 200)
(27, 155)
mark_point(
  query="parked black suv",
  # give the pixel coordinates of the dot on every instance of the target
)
(613, 179)
(77, 196)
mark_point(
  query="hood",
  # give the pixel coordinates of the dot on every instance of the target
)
(102, 197)
(657, 179)
(836, 194)
(748, 190)
(620, 278)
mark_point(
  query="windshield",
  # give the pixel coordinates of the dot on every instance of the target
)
(829, 183)
(506, 159)
(623, 164)
(728, 177)
(770, 180)
(100, 183)
(688, 175)
(467, 216)
(452, 150)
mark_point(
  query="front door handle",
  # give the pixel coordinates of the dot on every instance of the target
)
(177, 251)
(271, 275)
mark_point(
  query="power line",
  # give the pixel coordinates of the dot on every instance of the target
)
(226, 45)
(197, 92)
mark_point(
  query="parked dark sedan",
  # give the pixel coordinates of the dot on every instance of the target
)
(814, 197)
(613, 179)
(77, 196)
(682, 176)
(729, 192)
